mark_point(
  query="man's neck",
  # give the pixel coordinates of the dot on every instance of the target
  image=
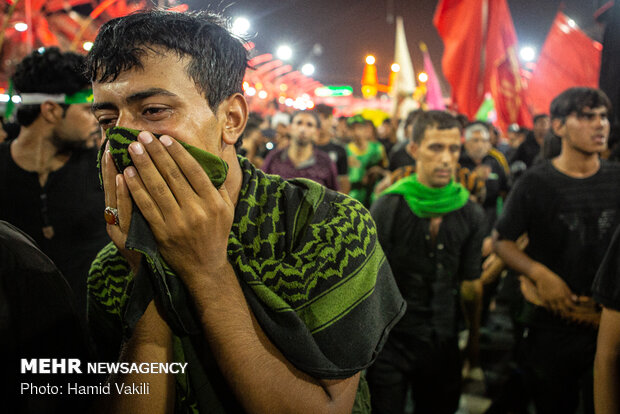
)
(33, 150)
(299, 153)
(577, 164)
(323, 139)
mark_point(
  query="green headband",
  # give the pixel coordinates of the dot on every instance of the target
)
(81, 97)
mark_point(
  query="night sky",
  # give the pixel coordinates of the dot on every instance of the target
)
(348, 30)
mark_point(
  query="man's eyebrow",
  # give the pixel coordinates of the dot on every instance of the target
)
(138, 96)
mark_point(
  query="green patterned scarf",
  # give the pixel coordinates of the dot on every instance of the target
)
(429, 202)
(309, 265)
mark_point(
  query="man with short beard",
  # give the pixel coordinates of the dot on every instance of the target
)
(301, 159)
(48, 178)
(432, 236)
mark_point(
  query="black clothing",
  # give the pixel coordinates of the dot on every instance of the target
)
(338, 155)
(569, 222)
(387, 144)
(606, 286)
(399, 157)
(428, 275)
(38, 319)
(431, 368)
(557, 369)
(422, 351)
(71, 204)
(527, 151)
(496, 185)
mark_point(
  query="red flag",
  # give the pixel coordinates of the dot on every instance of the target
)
(459, 23)
(480, 45)
(503, 75)
(568, 58)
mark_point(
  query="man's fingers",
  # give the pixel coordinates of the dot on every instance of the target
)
(123, 202)
(173, 175)
(147, 186)
(147, 206)
(109, 179)
(190, 168)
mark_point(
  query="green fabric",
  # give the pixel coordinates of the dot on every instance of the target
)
(358, 165)
(81, 97)
(429, 202)
(310, 267)
(120, 138)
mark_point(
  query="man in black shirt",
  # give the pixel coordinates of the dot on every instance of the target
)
(432, 235)
(569, 207)
(324, 141)
(476, 157)
(49, 186)
(532, 145)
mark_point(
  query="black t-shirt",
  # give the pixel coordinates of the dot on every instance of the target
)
(606, 286)
(399, 157)
(338, 155)
(71, 203)
(569, 221)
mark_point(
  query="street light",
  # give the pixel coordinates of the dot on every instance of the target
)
(21, 27)
(307, 69)
(87, 46)
(422, 77)
(527, 53)
(284, 52)
(395, 67)
(240, 26)
(370, 60)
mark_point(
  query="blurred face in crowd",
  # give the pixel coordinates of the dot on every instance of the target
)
(77, 129)
(586, 131)
(541, 126)
(437, 156)
(304, 129)
(477, 145)
(385, 130)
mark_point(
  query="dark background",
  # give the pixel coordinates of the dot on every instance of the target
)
(348, 30)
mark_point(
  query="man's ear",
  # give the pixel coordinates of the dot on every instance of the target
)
(51, 112)
(558, 126)
(235, 114)
(412, 149)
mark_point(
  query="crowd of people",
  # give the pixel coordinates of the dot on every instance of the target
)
(297, 262)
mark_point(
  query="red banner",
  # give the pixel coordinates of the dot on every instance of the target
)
(480, 45)
(568, 58)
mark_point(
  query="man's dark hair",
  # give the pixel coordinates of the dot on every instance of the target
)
(539, 117)
(49, 71)
(575, 99)
(432, 119)
(324, 109)
(217, 59)
(411, 116)
(313, 113)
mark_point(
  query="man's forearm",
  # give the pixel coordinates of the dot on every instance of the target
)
(606, 375)
(261, 377)
(515, 258)
(149, 343)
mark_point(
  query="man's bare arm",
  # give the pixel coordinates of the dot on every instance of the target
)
(607, 363)
(151, 342)
(553, 291)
